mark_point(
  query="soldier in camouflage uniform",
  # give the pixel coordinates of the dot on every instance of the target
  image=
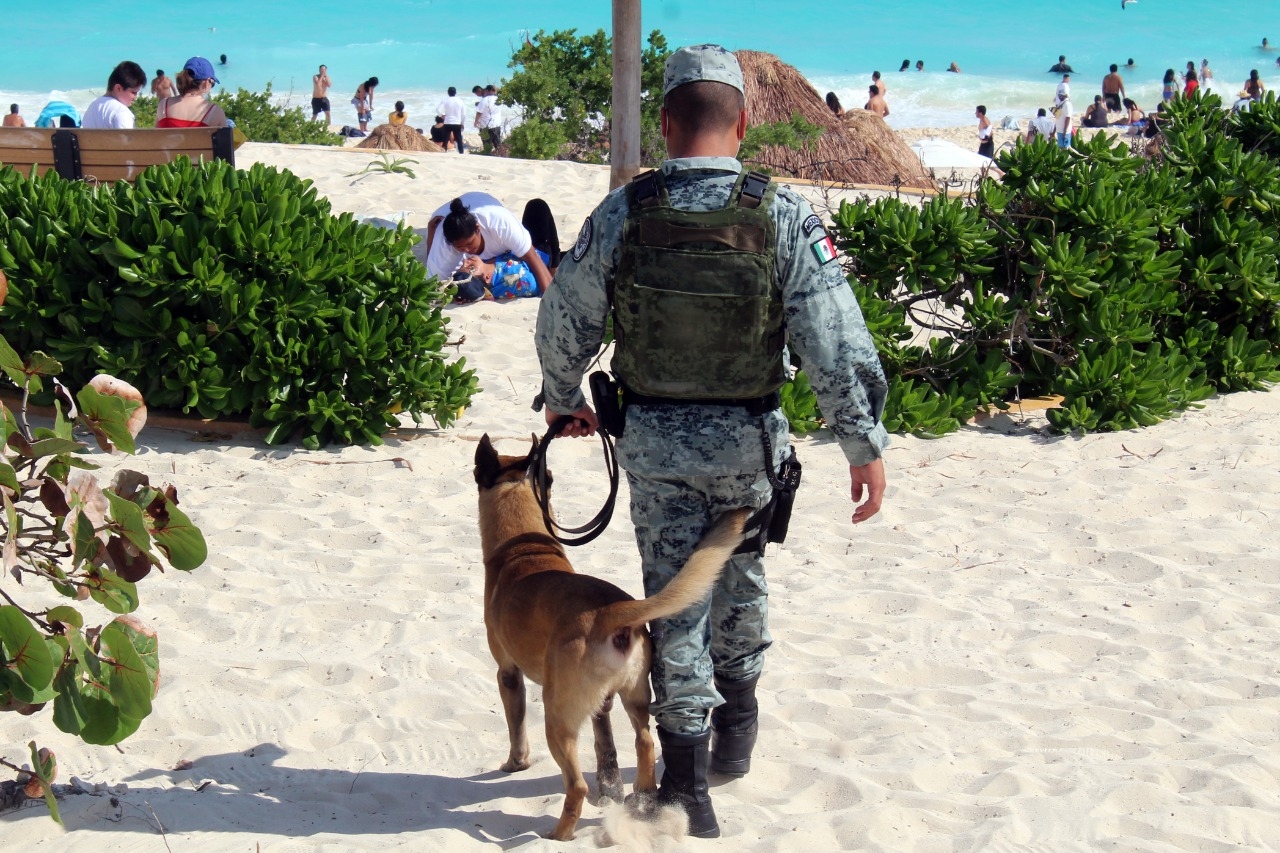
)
(686, 462)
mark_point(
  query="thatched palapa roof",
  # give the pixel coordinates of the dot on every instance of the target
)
(856, 148)
(398, 138)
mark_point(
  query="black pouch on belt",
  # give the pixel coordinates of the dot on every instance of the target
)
(605, 399)
(784, 497)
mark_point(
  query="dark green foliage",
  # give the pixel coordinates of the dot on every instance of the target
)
(1131, 288)
(563, 86)
(257, 116)
(796, 133)
(229, 293)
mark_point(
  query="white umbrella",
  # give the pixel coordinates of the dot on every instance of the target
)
(935, 153)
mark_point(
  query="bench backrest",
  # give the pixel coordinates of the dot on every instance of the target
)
(109, 155)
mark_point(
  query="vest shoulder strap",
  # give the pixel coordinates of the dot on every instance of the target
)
(648, 189)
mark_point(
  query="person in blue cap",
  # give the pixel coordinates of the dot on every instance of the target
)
(710, 274)
(192, 107)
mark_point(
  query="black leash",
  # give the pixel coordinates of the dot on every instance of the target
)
(537, 471)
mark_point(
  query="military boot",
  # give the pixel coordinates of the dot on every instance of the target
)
(684, 780)
(734, 726)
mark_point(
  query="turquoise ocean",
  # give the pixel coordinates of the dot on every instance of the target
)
(64, 49)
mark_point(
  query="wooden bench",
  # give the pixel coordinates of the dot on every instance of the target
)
(109, 155)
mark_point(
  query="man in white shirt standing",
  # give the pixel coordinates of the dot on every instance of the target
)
(1063, 122)
(487, 120)
(112, 109)
(454, 112)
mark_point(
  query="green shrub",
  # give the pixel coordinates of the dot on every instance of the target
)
(253, 298)
(65, 534)
(257, 116)
(563, 88)
(1133, 289)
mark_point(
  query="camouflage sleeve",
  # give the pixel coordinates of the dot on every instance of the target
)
(825, 326)
(571, 318)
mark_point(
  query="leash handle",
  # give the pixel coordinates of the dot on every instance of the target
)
(542, 487)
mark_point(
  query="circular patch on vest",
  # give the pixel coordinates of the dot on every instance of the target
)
(584, 241)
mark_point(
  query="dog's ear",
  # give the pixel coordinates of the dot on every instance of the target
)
(487, 464)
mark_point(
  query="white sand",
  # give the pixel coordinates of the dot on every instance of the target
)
(1041, 643)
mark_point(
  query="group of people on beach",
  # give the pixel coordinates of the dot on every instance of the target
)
(1112, 108)
(451, 113)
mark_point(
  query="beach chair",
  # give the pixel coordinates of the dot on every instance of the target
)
(106, 156)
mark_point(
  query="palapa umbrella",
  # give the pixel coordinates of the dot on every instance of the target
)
(856, 148)
(398, 138)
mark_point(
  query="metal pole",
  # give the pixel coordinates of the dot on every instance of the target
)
(624, 139)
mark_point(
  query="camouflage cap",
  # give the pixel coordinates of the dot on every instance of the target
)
(702, 62)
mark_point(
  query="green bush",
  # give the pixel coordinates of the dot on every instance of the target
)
(563, 88)
(1133, 289)
(65, 534)
(245, 289)
(257, 116)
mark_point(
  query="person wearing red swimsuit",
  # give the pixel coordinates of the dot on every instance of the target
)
(192, 107)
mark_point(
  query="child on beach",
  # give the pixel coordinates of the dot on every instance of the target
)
(398, 116)
(112, 109)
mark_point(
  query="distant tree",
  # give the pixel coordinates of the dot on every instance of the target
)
(563, 88)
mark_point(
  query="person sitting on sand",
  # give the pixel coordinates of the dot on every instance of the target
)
(1095, 115)
(1039, 127)
(476, 236)
(162, 87)
(439, 133)
(833, 103)
(13, 119)
(876, 103)
(1134, 117)
(398, 115)
(192, 107)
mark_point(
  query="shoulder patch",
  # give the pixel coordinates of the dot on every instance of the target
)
(823, 249)
(584, 241)
(810, 223)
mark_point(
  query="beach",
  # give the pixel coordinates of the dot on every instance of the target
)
(1041, 643)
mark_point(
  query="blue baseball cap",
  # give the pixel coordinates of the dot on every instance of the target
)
(201, 69)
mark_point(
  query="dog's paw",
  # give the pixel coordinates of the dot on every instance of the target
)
(642, 804)
(609, 789)
(514, 765)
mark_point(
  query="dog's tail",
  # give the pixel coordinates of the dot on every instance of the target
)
(694, 581)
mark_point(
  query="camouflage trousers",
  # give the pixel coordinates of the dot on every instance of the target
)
(725, 635)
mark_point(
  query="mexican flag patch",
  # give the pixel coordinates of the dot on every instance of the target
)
(823, 249)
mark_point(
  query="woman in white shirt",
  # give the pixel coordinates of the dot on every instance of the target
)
(471, 234)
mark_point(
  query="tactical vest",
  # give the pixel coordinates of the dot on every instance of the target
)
(696, 311)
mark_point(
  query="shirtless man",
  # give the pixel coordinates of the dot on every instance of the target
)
(1113, 89)
(876, 81)
(320, 84)
(876, 103)
(162, 87)
(13, 119)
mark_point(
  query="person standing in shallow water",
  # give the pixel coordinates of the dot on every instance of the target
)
(688, 458)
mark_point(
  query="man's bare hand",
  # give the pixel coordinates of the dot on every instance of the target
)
(871, 478)
(584, 422)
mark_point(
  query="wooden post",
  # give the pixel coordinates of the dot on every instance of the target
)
(624, 138)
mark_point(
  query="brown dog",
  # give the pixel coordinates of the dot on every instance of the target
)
(583, 639)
